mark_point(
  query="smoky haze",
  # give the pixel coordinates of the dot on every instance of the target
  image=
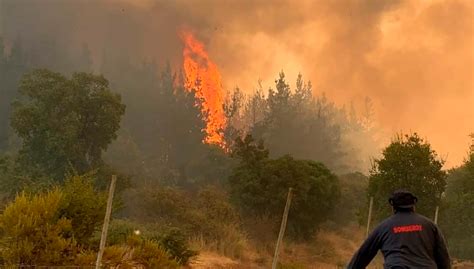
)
(414, 59)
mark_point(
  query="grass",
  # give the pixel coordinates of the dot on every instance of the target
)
(330, 248)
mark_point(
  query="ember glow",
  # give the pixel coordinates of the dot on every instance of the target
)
(202, 75)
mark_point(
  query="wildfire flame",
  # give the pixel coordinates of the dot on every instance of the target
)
(202, 75)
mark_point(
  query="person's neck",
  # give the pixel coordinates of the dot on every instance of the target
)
(404, 210)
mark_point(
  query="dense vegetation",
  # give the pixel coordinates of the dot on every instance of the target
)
(63, 133)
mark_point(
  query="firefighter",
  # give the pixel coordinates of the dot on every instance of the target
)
(407, 240)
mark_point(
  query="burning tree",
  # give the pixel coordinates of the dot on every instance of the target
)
(202, 75)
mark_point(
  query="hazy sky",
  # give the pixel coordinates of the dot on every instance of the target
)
(414, 59)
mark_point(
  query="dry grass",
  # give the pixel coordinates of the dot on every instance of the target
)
(330, 249)
(232, 243)
(211, 260)
(463, 265)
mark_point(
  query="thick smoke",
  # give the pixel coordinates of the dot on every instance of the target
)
(414, 59)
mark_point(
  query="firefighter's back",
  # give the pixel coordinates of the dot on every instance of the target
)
(409, 241)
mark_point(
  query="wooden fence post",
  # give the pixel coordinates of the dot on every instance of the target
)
(436, 215)
(282, 228)
(103, 237)
(369, 217)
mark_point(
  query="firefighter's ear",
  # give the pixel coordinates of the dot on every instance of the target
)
(390, 201)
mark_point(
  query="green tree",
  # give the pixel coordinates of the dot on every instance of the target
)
(259, 185)
(407, 163)
(457, 218)
(65, 124)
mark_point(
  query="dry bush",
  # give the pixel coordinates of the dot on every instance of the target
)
(86, 258)
(152, 255)
(206, 216)
(231, 242)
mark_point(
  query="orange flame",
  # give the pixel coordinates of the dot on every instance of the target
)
(202, 75)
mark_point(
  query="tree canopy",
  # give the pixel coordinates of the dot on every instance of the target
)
(259, 185)
(65, 124)
(297, 123)
(407, 163)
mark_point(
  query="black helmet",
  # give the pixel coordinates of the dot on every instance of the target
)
(402, 199)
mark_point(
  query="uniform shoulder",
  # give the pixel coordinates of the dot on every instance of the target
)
(424, 219)
(427, 222)
(386, 223)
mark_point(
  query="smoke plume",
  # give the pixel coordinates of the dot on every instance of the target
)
(414, 59)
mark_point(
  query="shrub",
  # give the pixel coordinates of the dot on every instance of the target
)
(84, 206)
(51, 228)
(232, 241)
(160, 204)
(175, 243)
(120, 230)
(259, 185)
(173, 240)
(190, 212)
(115, 256)
(33, 231)
(217, 212)
(138, 252)
(179, 214)
(85, 258)
(150, 254)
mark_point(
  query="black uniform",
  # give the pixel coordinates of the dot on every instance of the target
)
(407, 240)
